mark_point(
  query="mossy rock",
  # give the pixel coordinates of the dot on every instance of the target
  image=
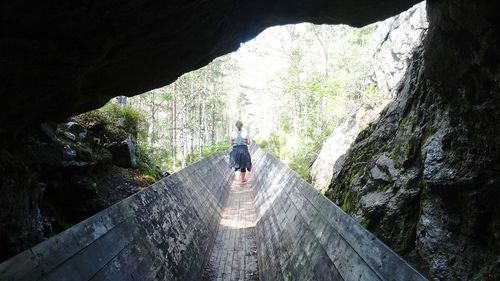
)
(101, 156)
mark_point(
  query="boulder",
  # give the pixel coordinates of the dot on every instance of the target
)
(50, 154)
(76, 129)
(125, 153)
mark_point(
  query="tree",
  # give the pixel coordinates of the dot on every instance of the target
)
(315, 76)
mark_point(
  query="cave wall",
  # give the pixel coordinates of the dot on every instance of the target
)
(425, 177)
(428, 183)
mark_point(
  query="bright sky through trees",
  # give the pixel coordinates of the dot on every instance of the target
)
(291, 86)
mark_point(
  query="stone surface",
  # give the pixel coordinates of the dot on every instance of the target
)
(59, 60)
(76, 129)
(333, 148)
(125, 153)
(397, 37)
(439, 206)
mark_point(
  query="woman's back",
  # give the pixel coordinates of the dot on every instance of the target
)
(239, 137)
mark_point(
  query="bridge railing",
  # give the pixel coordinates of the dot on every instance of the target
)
(304, 236)
(164, 232)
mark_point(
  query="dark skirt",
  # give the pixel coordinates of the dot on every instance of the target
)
(240, 158)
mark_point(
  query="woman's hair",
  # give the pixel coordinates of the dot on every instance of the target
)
(239, 125)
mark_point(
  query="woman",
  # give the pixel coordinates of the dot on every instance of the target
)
(240, 157)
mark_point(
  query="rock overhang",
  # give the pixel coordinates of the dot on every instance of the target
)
(61, 59)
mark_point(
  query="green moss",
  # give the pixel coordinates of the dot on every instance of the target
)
(366, 223)
(350, 201)
(150, 179)
(384, 187)
(346, 205)
(132, 118)
(363, 153)
(401, 236)
(429, 132)
(125, 173)
(324, 191)
(354, 175)
(218, 147)
(146, 167)
(400, 231)
(119, 121)
(101, 156)
(404, 121)
(83, 152)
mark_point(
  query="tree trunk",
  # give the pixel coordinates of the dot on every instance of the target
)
(192, 124)
(151, 128)
(213, 127)
(182, 126)
(202, 115)
(174, 127)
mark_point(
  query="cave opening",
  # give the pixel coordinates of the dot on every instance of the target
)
(294, 86)
(423, 178)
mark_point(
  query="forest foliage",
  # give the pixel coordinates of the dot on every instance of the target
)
(291, 86)
(326, 78)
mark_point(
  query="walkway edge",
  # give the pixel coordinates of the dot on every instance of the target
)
(304, 236)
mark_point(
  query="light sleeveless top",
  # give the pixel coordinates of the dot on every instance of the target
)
(239, 138)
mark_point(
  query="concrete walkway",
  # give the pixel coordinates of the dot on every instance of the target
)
(234, 255)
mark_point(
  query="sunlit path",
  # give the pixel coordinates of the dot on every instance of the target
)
(234, 256)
